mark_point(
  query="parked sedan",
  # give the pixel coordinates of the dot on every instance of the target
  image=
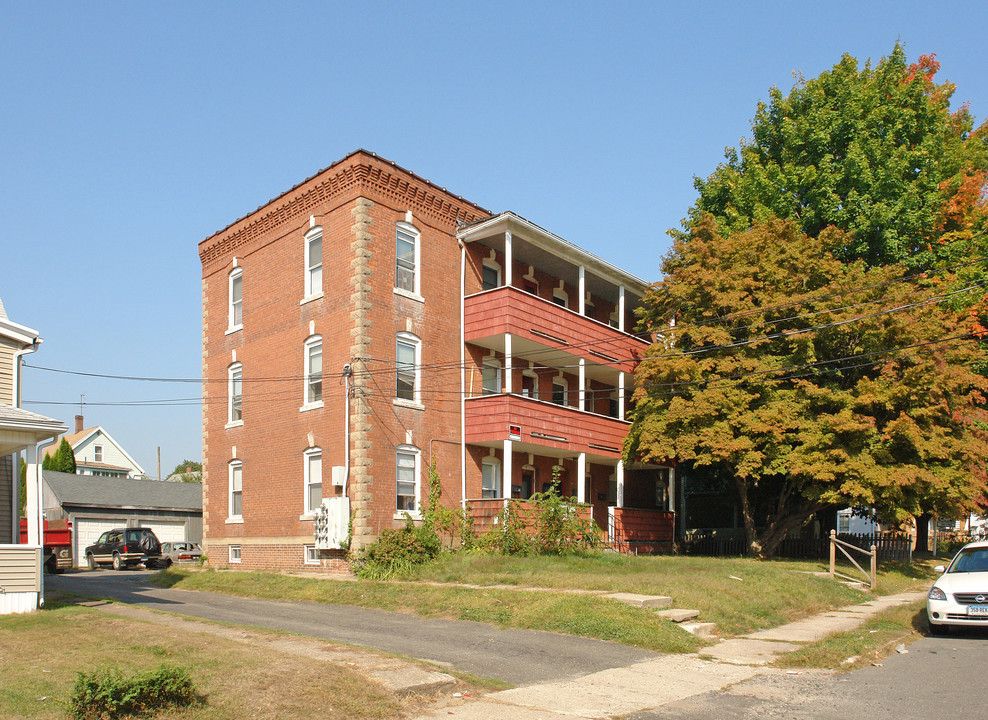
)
(960, 596)
(179, 552)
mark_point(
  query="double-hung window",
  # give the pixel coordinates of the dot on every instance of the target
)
(313, 370)
(490, 477)
(407, 363)
(407, 258)
(236, 489)
(97, 453)
(236, 299)
(313, 480)
(236, 397)
(313, 262)
(491, 275)
(491, 377)
(406, 478)
(560, 390)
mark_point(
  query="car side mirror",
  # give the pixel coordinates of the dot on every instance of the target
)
(940, 569)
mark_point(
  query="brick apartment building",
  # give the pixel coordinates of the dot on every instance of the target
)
(367, 323)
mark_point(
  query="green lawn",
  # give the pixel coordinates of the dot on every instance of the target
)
(739, 595)
(41, 654)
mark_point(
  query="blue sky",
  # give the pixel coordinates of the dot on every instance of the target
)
(131, 131)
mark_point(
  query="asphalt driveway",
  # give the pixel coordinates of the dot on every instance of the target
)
(520, 657)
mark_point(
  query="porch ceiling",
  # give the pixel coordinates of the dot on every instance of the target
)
(525, 349)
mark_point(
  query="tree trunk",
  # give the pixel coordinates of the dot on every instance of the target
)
(923, 532)
(754, 547)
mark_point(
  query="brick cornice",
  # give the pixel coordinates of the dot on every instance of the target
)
(360, 172)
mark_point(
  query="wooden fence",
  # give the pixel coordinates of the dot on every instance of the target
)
(894, 547)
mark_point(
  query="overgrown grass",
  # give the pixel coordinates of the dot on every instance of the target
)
(738, 594)
(864, 645)
(567, 613)
(42, 653)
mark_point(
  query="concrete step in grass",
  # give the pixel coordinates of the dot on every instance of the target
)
(700, 629)
(642, 601)
(678, 615)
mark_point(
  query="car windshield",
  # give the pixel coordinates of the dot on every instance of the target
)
(970, 560)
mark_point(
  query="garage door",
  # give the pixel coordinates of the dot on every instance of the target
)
(166, 530)
(87, 532)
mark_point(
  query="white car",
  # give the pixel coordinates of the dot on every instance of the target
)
(960, 596)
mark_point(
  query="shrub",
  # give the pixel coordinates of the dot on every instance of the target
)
(106, 694)
(396, 551)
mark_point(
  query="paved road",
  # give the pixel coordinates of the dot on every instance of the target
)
(938, 677)
(520, 657)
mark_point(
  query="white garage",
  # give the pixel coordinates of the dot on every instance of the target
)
(96, 504)
(166, 530)
(87, 532)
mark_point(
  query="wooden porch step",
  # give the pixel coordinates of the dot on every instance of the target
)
(642, 601)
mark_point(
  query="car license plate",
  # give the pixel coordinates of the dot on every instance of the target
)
(977, 609)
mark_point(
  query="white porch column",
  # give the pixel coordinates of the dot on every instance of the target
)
(506, 470)
(507, 362)
(583, 290)
(507, 258)
(619, 471)
(33, 507)
(621, 386)
(672, 489)
(621, 308)
(581, 477)
(582, 404)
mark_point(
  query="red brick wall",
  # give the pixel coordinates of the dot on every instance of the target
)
(269, 246)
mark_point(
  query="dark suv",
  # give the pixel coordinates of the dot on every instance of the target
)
(125, 547)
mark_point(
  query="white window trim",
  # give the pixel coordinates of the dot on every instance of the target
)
(308, 550)
(534, 376)
(230, 372)
(311, 293)
(238, 549)
(415, 401)
(498, 479)
(565, 384)
(97, 453)
(561, 294)
(490, 362)
(414, 451)
(311, 342)
(308, 455)
(232, 326)
(238, 465)
(493, 265)
(416, 292)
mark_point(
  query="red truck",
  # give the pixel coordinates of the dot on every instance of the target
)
(57, 545)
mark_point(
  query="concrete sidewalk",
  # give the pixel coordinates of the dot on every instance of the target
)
(658, 681)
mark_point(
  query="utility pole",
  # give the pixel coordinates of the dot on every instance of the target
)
(159, 463)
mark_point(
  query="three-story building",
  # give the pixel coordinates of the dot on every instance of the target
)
(368, 323)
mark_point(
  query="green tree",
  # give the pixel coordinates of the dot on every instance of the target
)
(188, 471)
(62, 460)
(809, 381)
(874, 151)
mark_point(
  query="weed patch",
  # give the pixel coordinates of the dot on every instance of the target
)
(106, 694)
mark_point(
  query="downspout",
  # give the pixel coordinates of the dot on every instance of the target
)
(15, 500)
(39, 482)
(463, 383)
(347, 370)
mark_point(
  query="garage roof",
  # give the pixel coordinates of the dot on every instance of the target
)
(125, 493)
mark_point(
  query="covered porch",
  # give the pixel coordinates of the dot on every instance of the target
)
(632, 505)
(21, 578)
